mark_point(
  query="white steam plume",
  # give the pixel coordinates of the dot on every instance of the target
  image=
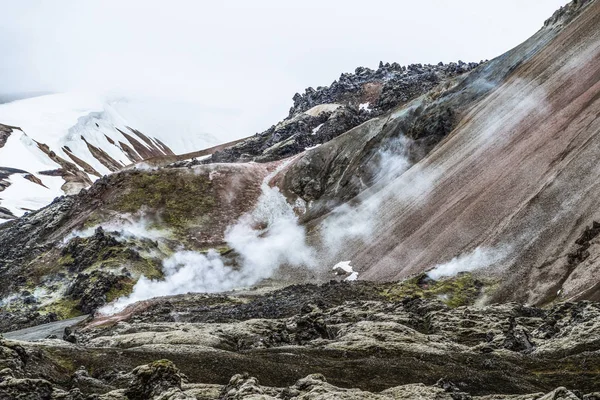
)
(270, 236)
(479, 258)
(358, 221)
(261, 251)
(396, 179)
(127, 227)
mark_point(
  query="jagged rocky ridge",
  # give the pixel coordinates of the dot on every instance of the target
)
(379, 90)
(321, 114)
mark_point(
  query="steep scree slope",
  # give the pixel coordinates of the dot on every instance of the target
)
(517, 176)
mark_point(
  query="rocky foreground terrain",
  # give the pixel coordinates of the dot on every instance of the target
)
(338, 340)
(420, 232)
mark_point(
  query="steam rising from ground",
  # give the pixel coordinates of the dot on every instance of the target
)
(127, 227)
(270, 236)
(396, 180)
(479, 258)
(261, 251)
(357, 221)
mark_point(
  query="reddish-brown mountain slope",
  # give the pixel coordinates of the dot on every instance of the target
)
(518, 178)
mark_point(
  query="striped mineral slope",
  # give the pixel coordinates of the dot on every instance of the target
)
(512, 190)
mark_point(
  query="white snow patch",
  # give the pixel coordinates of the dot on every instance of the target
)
(347, 268)
(49, 119)
(344, 266)
(312, 147)
(365, 106)
(23, 195)
(202, 158)
(315, 130)
(353, 277)
(21, 152)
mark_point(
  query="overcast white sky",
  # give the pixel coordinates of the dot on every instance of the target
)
(245, 59)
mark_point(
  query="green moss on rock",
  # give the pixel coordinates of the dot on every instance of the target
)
(64, 308)
(461, 290)
(176, 197)
(123, 288)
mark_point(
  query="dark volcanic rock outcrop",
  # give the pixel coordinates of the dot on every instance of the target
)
(293, 136)
(381, 89)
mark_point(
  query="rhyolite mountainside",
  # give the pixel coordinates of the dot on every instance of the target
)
(491, 166)
(512, 174)
(189, 203)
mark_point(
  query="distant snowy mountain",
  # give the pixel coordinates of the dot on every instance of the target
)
(60, 143)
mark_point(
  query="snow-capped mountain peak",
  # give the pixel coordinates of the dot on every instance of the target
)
(60, 143)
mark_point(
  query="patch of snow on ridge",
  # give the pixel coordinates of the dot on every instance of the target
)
(315, 130)
(21, 152)
(353, 277)
(48, 119)
(23, 195)
(365, 106)
(68, 122)
(344, 266)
